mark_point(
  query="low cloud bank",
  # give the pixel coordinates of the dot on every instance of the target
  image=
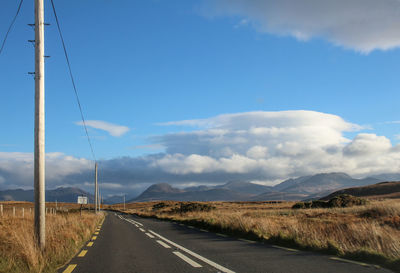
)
(255, 146)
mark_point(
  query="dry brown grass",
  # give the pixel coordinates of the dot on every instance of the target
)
(65, 235)
(370, 233)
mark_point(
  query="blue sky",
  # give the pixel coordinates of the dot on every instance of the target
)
(141, 63)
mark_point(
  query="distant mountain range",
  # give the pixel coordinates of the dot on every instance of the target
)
(306, 187)
(62, 194)
(302, 188)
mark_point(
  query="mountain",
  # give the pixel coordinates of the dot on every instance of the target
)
(198, 188)
(270, 196)
(306, 187)
(245, 187)
(161, 191)
(62, 194)
(16, 195)
(388, 176)
(381, 190)
(323, 182)
(165, 191)
(290, 182)
(115, 199)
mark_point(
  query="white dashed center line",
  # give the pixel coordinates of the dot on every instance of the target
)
(151, 236)
(163, 244)
(187, 259)
(197, 256)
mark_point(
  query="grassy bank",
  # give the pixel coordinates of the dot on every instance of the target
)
(65, 235)
(370, 233)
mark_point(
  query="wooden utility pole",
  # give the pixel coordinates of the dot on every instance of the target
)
(96, 190)
(39, 161)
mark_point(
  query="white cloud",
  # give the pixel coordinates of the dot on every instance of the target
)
(363, 25)
(275, 145)
(17, 168)
(112, 129)
(257, 152)
(368, 144)
(254, 146)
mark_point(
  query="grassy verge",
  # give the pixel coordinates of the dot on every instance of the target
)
(65, 235)
(369, 233)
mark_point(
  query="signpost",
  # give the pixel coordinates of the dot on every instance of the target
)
(82, 200)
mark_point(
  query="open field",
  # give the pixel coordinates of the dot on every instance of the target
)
(65, 234)
(370, 233)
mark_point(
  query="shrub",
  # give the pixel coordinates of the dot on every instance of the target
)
(191, 207)
(299, 205)
(346, 200)
(340, 201)
(159, 206)
(320, 204)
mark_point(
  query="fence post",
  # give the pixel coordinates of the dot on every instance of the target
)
(23, 213)
(30, 210)
(1, 210)
(13, 211)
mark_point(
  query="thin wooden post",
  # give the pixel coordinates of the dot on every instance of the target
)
(23, 213)
(13, 211)
(1, 210)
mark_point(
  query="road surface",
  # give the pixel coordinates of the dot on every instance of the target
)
(127, 243)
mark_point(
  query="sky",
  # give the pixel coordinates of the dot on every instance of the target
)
(200, 91)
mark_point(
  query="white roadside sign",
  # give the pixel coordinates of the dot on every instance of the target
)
(82, 200)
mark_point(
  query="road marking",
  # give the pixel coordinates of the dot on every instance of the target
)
(83, 253)
(285, 248)
(163, 244)
(222, 235)
(203, 230)
(94, 238)
(247, 241)
(190, 226)
(151, 236)
(353, 262)
(215, 265)
(142, 230)
(186, 259)
(70, 268)
(90, 244)
(136, 222)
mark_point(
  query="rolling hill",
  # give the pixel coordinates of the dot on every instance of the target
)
(379, 190)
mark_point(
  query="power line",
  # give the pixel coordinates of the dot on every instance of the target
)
(11, 25)
(72, 79)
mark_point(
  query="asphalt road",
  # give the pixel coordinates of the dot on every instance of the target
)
(127, 243)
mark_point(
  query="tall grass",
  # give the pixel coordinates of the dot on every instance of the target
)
(65, 235)
(370, 233)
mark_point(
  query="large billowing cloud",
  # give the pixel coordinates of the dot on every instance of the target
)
(363, 25)
(254, 146)
(275, 145)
